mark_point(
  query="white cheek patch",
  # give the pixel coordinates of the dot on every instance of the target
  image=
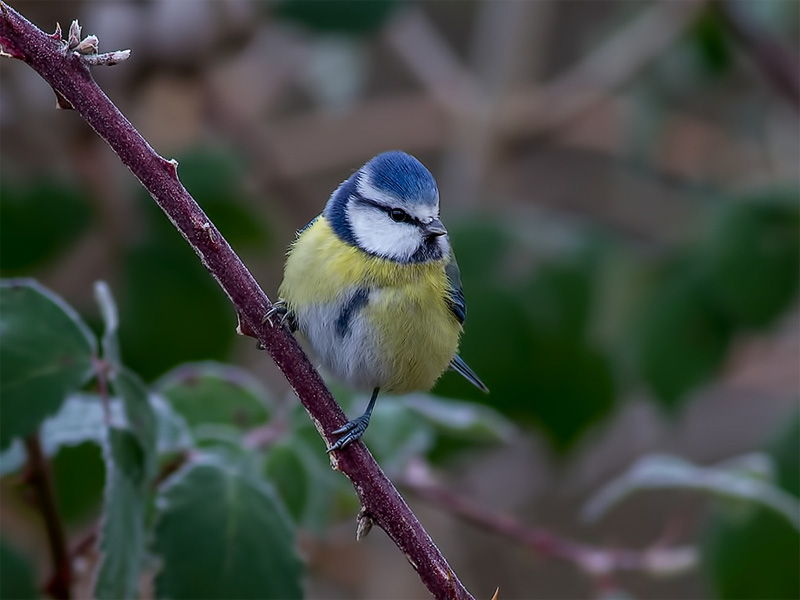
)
(378, 234)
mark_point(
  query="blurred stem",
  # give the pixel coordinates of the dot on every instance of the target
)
(778, 66)
(39, 477)
(68, 74)
(267, 435)
(101, 374)
(598, 562)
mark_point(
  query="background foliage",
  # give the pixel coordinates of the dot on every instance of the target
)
(630, 265)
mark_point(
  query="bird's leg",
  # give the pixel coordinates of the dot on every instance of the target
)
(354, 429)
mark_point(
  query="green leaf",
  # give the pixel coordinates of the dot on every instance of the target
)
(78, 479)
(752, 261)
(226, 442)
(341, 16)
(122, 530)
(223, 534)
(751, 551)
(173, 432)
(141, 418)
(108, 309)
(784, 451)
(542, 369)
(681, 339)
(396, 434)
(710, 36)
(559, 297)
(569, 388)
(308, 487)
(286, 468)
(300, 470)
(491, 311)
(80, 419)
(38, 221)
(16, 575)
(172, 310)
(670, 472)
(480, 244)
(45, 354)
(12, 458)
(463, 420)
(751, 554)
(215, 393)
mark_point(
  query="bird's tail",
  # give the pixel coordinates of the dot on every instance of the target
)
(459, 366)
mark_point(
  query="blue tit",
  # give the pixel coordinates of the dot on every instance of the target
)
(373, 286)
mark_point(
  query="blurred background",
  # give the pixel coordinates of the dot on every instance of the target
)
(620, 180)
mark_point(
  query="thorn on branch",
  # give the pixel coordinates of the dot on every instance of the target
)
(242, 328)
(365, 523)
(62, 102)
(171, 166)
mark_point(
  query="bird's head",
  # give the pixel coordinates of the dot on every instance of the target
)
(390, 208)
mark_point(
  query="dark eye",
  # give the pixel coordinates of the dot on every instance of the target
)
(398, 215)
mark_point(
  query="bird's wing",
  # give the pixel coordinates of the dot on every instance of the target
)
(455, 295)
(458, 305)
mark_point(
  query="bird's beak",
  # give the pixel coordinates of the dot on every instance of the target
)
(435, 228)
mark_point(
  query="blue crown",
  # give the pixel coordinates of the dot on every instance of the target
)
(402, 176)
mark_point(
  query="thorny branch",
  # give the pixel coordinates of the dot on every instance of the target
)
(68, 74)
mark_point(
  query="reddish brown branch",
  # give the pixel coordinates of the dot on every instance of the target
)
(70, 77)
(39, 476)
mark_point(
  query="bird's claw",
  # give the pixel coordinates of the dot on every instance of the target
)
(352, 431)
(287, 317)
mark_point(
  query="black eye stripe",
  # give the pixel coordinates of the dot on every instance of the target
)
(390, 210)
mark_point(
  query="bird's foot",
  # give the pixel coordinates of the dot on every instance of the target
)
(286, 317)
(352, 431)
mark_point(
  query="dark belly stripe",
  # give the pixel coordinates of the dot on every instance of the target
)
(349, 310)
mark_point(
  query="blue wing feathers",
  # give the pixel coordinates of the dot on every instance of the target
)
(455, 295)
(457, 304)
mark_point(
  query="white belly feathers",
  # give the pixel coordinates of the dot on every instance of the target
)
(344, 343)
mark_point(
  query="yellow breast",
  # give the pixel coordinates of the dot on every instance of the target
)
(408, 334)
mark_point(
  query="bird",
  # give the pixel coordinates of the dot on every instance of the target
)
(373, 286)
